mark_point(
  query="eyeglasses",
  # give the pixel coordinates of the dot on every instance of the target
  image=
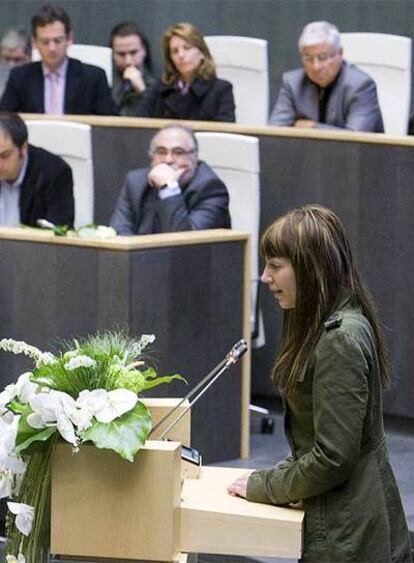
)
(320, 57)
(176, 152)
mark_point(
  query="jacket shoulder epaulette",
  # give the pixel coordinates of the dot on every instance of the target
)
(334, 321)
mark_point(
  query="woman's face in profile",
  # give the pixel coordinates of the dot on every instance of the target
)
(281, 280)
(185, 57)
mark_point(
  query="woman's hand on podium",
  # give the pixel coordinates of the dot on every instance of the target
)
(239, 486)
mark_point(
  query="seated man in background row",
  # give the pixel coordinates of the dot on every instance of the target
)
(177, 193)
(34, 183)
(57, 84)
(328, 92)
(15, 50)
(132, 68)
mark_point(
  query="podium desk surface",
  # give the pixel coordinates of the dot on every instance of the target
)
(125, 243)
(212, 521)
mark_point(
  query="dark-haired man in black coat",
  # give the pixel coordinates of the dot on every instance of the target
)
(34, 183)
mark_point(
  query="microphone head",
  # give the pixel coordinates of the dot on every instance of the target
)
(237, 351)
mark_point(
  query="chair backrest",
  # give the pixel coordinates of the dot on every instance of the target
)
(243, 61)
(235, 159)
(387, 59)
(71, 141)
(90, 54)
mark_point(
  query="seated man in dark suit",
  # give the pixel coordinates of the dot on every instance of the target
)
(57, 84)
(34, 183)
(177, 193)
(327, 92)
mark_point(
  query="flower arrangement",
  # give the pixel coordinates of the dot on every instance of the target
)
(88, 392)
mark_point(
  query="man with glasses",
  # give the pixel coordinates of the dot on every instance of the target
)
(327, 92)
(57, 84)
(176, 193)
(15, 50)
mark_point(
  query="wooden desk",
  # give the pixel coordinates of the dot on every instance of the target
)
(366, 178)
(189, 289)
(212, 521)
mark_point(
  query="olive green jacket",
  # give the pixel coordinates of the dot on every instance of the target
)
(339, 466)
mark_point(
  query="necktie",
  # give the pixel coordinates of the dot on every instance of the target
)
(54, 106)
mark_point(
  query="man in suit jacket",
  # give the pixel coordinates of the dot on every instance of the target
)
(327, 92)
(57, 84)
(34, 183)
(177, 193)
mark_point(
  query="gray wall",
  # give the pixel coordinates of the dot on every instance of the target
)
(278, 21)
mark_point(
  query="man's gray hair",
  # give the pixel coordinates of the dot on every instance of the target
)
(16, 37)
(319, 32)
(184, 128)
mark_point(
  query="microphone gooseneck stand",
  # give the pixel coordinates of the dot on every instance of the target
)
(231, 358)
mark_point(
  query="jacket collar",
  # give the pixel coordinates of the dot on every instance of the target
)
(198, 86)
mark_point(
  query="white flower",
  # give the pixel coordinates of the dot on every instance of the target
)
(80, 362)
(103, 232)
(25, 388)
(6, 484)
(57, 408)
(10, 465)
(106, 405)
(98, 231)
(12, 559)
(143, 343)
(118, 402)
(8, 432)
(45, 359)
(24, 516)
(20, 347)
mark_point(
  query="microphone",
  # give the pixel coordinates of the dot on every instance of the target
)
(231, 358)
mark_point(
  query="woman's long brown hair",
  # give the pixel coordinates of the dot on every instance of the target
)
(314, 240)
(188, 32)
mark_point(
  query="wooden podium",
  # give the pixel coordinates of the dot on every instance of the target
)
(105, 508)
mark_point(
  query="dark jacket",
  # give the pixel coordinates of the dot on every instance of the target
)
(47, 189)
(339, 466)
(127, 100)
(203, 204)
(210, 100)
(352, 104)
(87, 91)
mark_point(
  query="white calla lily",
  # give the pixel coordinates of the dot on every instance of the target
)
(24, 516)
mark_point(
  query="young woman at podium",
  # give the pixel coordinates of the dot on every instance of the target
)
(330, 369)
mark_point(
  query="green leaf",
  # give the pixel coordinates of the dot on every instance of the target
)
(149, 373)
(26, 435)
(60, 230)
(165, 379)
(124, 435)
(19, 408)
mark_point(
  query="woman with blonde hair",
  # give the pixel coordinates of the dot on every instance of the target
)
(189, 87)
(330, 369)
